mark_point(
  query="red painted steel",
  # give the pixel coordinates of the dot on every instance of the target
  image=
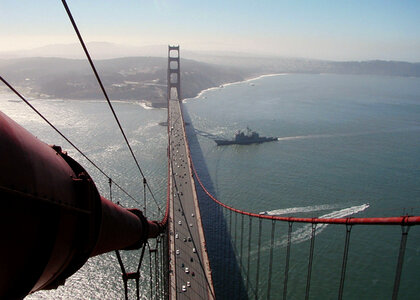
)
(403, 220)
(52, 217)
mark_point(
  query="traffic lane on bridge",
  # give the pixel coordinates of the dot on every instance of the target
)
(187, 233)
(189, 266)
(187, 258)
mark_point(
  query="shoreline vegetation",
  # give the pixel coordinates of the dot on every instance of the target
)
(143, 79)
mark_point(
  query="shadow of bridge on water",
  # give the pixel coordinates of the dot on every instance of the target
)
(226, 273)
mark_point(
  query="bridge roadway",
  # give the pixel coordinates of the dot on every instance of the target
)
(190, 274)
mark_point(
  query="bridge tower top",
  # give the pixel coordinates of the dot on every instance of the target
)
(174, 74)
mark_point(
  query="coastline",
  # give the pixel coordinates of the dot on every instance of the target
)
(148, 104)
(233, 83)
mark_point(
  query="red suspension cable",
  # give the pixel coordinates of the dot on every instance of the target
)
(404, 220)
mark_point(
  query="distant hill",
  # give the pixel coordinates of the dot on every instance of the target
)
(268, 65)
(144, 78)
(130, 78)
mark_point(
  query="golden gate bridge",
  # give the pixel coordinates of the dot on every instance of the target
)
(200, 249)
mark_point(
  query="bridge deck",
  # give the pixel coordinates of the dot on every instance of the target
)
(190, 276)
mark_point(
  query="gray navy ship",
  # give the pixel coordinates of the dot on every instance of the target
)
(242, 138)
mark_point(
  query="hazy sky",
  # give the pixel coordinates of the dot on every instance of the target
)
(340, 30)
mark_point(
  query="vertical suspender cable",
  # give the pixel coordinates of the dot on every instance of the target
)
(221, 234)
(110, 188)
(311, 256)
(270, 263)
(249, 253)
(401, 254)
(156, 271)
(152, 277)
(242, 236)
(138, 271)
(144, 195)
(240, 255)
(231, 291)
(235, 254)
(236, 231)
(230, 224)
(258, 259)
(219, 223)
(344, 265)
(123, 274)
(215, 221)
(141, 258)
(138, 288)
(150, 273)
(286, 267)
(225, 259)
(161, 269)
(135, 275)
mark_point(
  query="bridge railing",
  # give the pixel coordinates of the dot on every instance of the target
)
(262, 252)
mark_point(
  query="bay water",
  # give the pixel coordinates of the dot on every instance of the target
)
(347, 146)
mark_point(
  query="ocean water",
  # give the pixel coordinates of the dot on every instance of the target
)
(91, 127)
(348, 146)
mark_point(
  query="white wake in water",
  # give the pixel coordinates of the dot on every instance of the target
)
(351, 134)
(145, 104)
(302, 137)
(304, 233)
(303, 209)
